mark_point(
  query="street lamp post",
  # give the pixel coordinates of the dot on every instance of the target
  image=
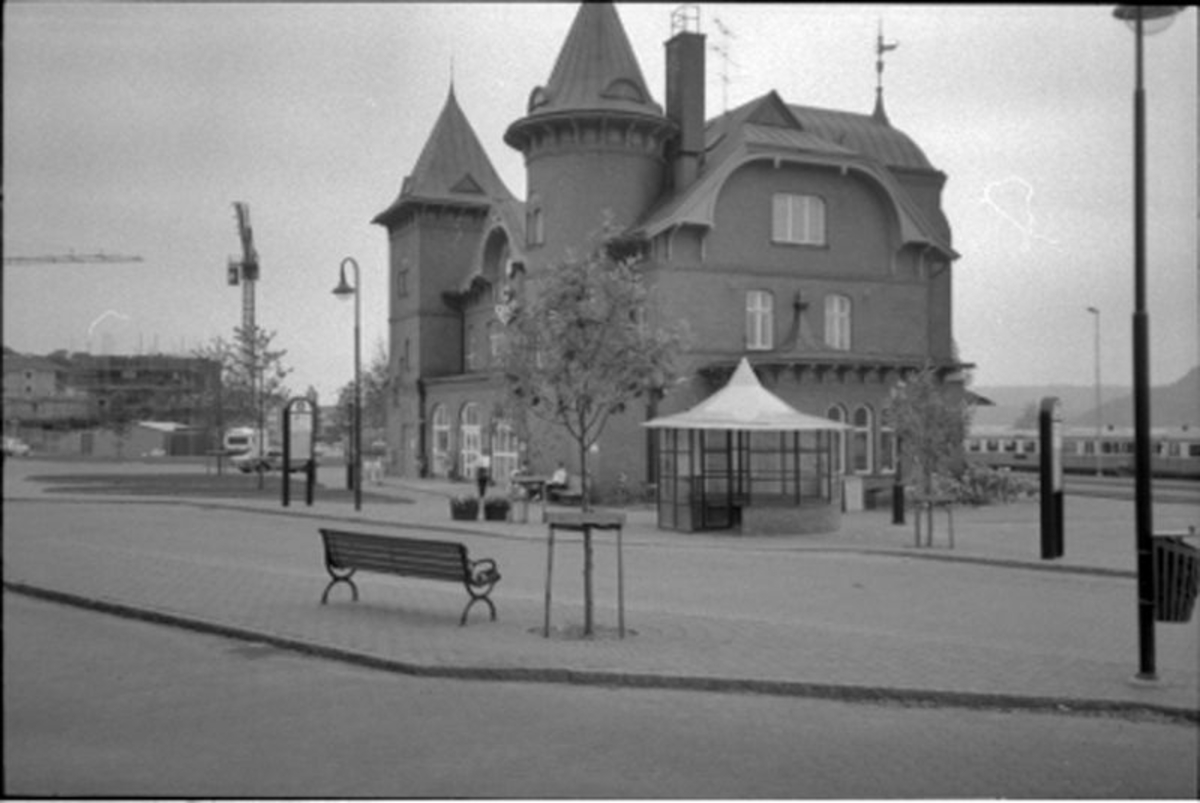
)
(344, 291)
(1099, 422)
(1143, 20)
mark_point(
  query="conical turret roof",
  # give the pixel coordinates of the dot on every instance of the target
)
(452, 168)
(596, 69)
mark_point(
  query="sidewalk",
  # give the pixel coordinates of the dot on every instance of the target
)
(860, 614)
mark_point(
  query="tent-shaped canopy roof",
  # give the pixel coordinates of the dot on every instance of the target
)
(744, 404)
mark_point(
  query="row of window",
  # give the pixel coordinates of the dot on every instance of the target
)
(1030, 445)
(503, 445)
(854, 449)
(760, 321)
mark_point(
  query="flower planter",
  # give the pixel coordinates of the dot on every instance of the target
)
(496, 509)
(464, 508)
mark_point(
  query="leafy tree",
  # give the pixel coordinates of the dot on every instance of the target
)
(930, 423)
(579, 350)
(252, 375)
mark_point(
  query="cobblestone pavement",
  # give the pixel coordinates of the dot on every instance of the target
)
(860, 614)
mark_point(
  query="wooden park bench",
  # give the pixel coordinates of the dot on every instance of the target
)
(347, 552)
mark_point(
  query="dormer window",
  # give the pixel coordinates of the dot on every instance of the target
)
(797, 219)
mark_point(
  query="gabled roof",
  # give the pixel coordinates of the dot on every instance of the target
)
(766, 127)
(596, 70)
(453, 167)
(744, 404)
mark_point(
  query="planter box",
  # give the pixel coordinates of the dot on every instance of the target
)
(464, 509)
(496, 509)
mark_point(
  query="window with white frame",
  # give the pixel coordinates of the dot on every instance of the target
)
(887, 450)
(838, 413)
(506, 452)
(441, 441)
(837, 322)
(760, 320)
(860, 441)
(797, 219)
(471, 439)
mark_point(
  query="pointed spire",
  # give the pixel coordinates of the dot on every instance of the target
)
(453, 165)
(881, 47)
(596, 69)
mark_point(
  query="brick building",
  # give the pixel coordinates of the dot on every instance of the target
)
(810, 240)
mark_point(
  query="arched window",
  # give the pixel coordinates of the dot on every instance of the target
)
(838, 413)
(470, 435)
(506, 453)
(837, 322)
(440, 441)
(888, 449)
(760, 320)
(860, 441)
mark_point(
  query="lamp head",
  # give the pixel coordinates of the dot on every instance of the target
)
(1155, 19)
(344, 290)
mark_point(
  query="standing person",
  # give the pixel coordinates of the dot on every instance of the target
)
(483, 474)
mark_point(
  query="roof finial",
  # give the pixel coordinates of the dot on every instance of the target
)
(881, 47)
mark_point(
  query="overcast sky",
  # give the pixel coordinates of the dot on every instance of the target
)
(133, 128)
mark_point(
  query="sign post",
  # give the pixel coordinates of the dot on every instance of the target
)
(299, 430)
(1050, 442)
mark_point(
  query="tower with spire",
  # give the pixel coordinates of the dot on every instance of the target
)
(593, 139)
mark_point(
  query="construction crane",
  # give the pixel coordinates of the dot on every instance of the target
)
(72, 259)
(246, 271)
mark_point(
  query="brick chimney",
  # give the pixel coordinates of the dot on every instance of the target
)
(685, 94)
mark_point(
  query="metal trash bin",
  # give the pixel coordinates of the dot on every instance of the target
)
(1176, 579)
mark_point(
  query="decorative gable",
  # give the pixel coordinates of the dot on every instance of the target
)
(774, 112)
(467, 184)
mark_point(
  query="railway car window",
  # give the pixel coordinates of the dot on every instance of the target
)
(1030, 447)
(1010, 446)
(993, 445)
(974, 445)
(1194, 450)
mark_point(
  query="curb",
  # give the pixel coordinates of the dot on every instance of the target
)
(877, 695)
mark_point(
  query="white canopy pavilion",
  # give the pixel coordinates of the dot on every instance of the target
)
(744, 459)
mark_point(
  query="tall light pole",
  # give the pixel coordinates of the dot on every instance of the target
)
(344, 291)
(1099, 423)
(1143, 20)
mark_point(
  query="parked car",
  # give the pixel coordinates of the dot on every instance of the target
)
(249, 461)
(15, 447)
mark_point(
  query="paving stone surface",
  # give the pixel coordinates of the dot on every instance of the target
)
(861, 611)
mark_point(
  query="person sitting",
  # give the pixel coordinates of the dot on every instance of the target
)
(558, 481)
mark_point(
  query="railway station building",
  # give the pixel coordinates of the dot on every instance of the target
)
(810, 241)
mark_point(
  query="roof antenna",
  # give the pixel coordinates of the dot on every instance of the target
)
(881, 47)
(723, 50)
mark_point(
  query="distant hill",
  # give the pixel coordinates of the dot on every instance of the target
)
(1170, 405)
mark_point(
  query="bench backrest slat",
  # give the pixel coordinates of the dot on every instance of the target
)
(395, 555)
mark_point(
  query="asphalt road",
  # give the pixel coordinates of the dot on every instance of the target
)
(95, 705)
